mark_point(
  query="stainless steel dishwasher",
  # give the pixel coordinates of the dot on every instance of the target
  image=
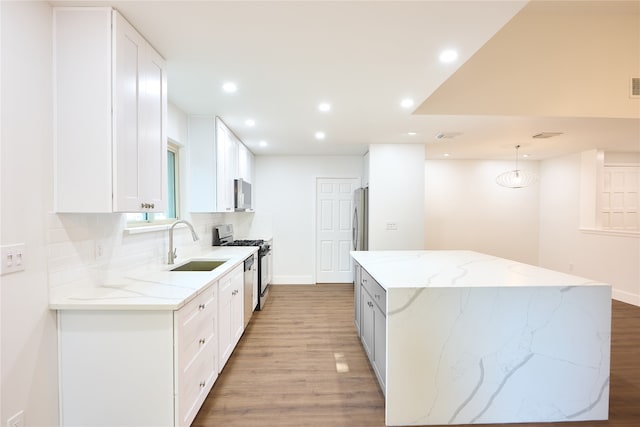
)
(249, 274)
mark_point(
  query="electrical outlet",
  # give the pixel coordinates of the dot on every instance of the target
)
(99, 250)
(12, 258)
(17, 420)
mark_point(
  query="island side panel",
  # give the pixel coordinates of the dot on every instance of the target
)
(497, 354)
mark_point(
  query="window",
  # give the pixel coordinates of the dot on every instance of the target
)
(619, 201)
(172, 212)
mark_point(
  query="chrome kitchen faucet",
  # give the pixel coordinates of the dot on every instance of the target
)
(172, 251)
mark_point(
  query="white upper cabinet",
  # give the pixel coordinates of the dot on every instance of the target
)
(227, 165)
(216, 158)
(202, 164)
(110, 115)
(245, 163)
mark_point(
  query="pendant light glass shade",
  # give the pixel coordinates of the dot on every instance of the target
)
(516, 178)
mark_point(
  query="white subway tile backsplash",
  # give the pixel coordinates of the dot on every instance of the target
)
(72, 240)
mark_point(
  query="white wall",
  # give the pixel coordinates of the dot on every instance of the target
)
(564, 247)
(466, 209)
(285, 209)
(28, 347)
(176, 124)
(396, 196)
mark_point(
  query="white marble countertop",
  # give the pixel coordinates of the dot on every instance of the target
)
(153, 287)
(408, 269)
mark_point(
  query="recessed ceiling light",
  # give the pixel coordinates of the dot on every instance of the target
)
(250, 122)
(263, 143)
(407, 103)
(525, 155)
(411, 133)
(320, 135)
(448, 55)
(446, 154)
(229, 87)
(324, 107)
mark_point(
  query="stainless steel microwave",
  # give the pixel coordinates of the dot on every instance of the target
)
(241, 195)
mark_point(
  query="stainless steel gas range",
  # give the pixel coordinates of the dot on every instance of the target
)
(223, 236)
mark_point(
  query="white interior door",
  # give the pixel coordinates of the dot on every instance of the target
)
(334, 206)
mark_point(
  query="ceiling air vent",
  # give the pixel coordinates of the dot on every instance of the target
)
(635, 87)
(448, 135)
(545, 135)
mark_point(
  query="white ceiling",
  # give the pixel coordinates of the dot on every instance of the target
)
(363, 57)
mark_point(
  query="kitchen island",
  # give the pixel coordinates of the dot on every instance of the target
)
(471, 338)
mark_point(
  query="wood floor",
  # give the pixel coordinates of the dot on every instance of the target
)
(300, 363)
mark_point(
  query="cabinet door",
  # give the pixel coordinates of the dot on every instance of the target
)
(152, 149)
(380, 346)
(230, 313)
(367, 323)
(237, 304)
(139, 122)
(225, 346)
(202, 164)
(224, 168)
(127, 58)
(245, 163)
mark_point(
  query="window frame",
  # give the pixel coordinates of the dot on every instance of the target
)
(153, 219)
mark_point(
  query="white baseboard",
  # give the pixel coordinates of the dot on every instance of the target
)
(292, 280)
(627, 297)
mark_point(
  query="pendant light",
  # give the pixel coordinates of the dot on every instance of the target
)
(516, 178)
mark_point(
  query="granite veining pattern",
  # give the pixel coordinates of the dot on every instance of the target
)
(477, 339)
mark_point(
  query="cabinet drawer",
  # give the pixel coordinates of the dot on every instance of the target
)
(377, 292)
(194, 384)
(196, 326)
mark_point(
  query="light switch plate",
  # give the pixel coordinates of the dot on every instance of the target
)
(12, 258)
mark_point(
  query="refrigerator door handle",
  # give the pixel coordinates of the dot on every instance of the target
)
(354, 229)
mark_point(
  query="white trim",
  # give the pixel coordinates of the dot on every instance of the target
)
(627, 297)
(613, 233)
(292, 280)
(151, 228)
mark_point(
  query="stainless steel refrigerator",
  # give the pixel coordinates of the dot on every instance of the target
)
(360, 223)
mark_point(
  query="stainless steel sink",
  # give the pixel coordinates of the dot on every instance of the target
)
(199, 265)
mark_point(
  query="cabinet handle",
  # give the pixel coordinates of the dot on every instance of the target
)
(202, 384)
(202, 341)
(377, 296)
(201, 306)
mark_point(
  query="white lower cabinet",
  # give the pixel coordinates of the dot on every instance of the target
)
(197, 353)
(147, 367)
(373, 327)
(231, 313)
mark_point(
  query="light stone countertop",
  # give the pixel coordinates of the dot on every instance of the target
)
(453, 268)
(152, 287)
